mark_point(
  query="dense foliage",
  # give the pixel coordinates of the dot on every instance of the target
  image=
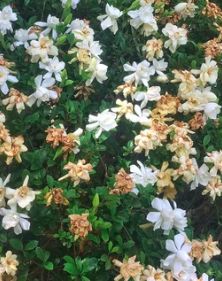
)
(105, 123)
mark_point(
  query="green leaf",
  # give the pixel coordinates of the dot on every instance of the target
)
(31, 245)
(48, 265)
(42, 254)
(16, 244)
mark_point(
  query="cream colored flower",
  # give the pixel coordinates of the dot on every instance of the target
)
(187, 168)
(22, 196)
(9, 263)
(147, 140)
(41, 49)
(215, 158)
(188, 82)
(153, 49)
(210, 249)
(79, 225)
(15, 99)
(77, 172)
(13, 148)
(152, 274)
(123, 108)
(186, 9)
(128, 269)
(3, 188)
(128, 89)
(214, 188)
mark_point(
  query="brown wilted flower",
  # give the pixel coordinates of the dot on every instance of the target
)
(35, 29)
(56, 196)
(4, 133)
(124, 183)
(54, 136)
(83, 91)
(71, 141)
(166, 105)
(78, 172)
(165, 183)
(212, 10)
(212, 48)
(197, 250)
(80, 225)
(16, 99)
(153, 48)
(197, 122)
(6, 63)
(150, 273)
(128, 269)
(13, 149)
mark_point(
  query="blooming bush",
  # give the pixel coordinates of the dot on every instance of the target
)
(110, 140)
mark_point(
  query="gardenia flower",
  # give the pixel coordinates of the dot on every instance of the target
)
(211, 110)
(143, 175)
(6, 17)
(12, 219)
(140, 116)
(3, 188)
(202, 175)
(152, 94)
(4, 77)
(167, 217)
(50, 25)
(186, 9)
(22, 36)
(81, 30)
(109, 20)
(41, 49)
(123, 108)
(144, 17)
(179, 261)
(15, 99)
(9, 263)
(141, 72)
(208, 72)
(205, 277)
(22, 196)
(42, 93)
(97, 70)
(104, 121)
(215, 158)
(160, 66)
(177, 36)
(93, 47)
(74, 3)
(53, 66)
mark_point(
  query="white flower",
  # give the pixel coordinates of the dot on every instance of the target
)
(6, 17)
(109, 20)
(144, 16)
(22, 36)
(3, 188)
(50, 25)
(208, 71)
(152, 94)
(177, 36)
(98, 71)
(74, 3)
(4, 77)
(53, 66)
(186, 9)
(41, 49)
(104, 121)
(167, 217)
(179, 262)
(22, 196)
(202, 176)
(140, 116)
(205, 277)
(92, 46)
(142, 175)
(141, 72)
(42, 93)
(81, 30)
(160, 66)
(12, 219)
(211, 110)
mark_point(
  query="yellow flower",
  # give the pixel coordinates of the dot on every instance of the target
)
(9, 263)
